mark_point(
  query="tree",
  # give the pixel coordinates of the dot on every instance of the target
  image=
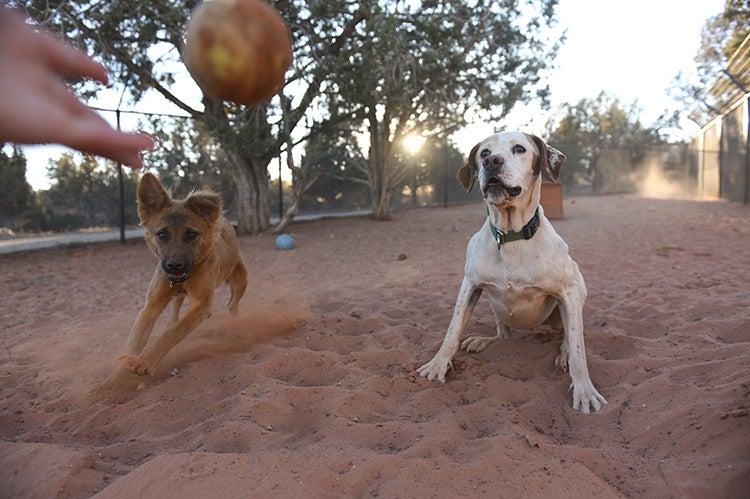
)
(16, 195)
(589, 127)
(421, 66)
(434, 165)
(721, 36)
(736, 26)
(391, 66)
(340, 183)
(416, 167)
(303, 176)
(86, 194)
(189, 158)
(141, 41)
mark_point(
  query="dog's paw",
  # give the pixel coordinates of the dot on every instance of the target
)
(436, 368)
(136, 365)
(586, 399)
(477, 343)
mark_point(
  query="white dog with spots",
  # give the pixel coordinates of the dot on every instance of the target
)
(519, 260)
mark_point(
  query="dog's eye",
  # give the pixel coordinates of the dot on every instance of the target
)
(484, 153)
(191, 235)
(163, 235)
(518, 149)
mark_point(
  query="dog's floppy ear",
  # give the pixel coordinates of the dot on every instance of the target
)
(467, 174)
(205, 204)
(152, 198)
(549, 161)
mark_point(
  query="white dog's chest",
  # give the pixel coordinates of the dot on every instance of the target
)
(521, 284)
(520, 306)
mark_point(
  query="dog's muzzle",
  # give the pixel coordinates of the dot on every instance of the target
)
(494, 184)
(177, 270)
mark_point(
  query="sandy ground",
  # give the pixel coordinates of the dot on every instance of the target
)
(312, 391)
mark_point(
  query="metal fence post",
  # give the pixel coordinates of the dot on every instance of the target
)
(281, 192)
(122, 189)
(445, 172)
(747, 151)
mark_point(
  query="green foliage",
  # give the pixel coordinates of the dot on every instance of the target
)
(337, 161)
(16, 196)
(732, 25)
(588, 128)
(426, 64)
(85, 194)
(721, 36)
(420, 67)
(188, 157)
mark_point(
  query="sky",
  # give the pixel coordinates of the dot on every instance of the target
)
(632, 49)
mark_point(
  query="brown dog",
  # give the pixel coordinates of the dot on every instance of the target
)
(198, 250)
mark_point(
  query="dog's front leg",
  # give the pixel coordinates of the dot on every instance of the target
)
(146, 363)
(159, 295)
(465, 303)
(571, 313)
(176, 304)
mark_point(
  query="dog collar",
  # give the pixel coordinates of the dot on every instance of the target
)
(508, 236)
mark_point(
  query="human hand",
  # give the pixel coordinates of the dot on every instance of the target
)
(37, 107)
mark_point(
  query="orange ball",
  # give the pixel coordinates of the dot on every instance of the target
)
(237, 50)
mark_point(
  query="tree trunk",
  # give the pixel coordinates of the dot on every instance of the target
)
(289, 215)
(251, 179)
(299, 187)
(381, 209)
(381, 197)
(379, 178)
(595, 177)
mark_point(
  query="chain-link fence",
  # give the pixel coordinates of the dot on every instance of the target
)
(86, 210)
(721, 154)
(82, 204)
(652, 170)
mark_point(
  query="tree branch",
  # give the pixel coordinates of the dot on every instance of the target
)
(127, 61)
(313, 89)
(329, 123)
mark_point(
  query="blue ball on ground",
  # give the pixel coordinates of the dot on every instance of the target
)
(285, 242)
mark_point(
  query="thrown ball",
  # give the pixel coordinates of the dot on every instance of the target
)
(237, 50)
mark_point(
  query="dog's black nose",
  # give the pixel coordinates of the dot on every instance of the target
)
(494, 160)
(174, 266)
(514, 191)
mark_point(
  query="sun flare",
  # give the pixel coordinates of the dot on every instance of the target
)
(413, 143)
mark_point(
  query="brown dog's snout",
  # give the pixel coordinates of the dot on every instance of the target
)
(493, 161)
(175, 265)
